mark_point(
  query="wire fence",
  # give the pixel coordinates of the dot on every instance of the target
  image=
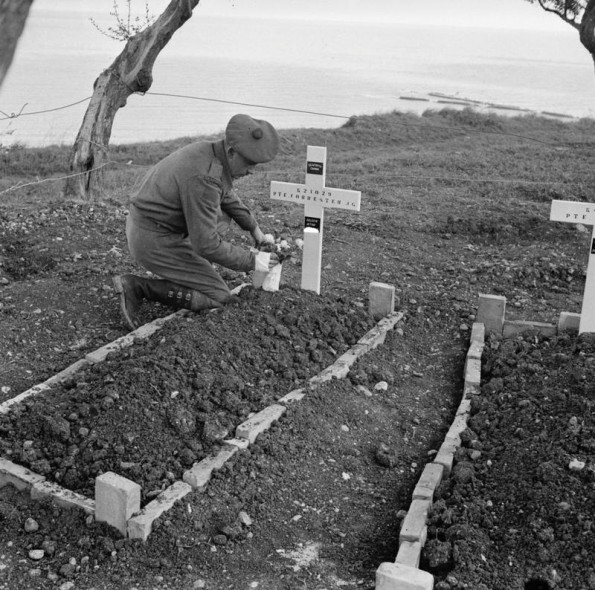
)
(23, 113)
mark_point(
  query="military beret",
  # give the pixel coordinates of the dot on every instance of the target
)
(254, 139)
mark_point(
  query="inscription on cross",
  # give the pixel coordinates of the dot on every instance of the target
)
(316, 197)
(577, 212)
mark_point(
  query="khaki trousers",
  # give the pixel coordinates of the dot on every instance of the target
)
(171, 256)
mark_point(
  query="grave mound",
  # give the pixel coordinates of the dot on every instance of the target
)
(149, 412)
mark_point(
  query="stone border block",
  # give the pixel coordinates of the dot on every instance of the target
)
(458, 425)
(61, 496)
(377, 335)
(100, 354)
(339, 370)
(478, 333)
(409, 554)
(475, 350)
(17, 475)
(471, 389)
(569, 322)
(428, 482)
(141, 525)
(5, 406)
(473, 370)
(381, 300)
(260, 422)
(116, 500)
(398, 576)
(446, 454)
(67, 372)
(199, 474)
(45, 386)
(414, 527)
(516, 327)
(464, 407)
(293, 396)
(491, 312)
(241, 443)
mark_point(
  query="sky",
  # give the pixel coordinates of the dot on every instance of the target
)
(491, 13)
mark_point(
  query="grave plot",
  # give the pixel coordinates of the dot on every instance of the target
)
(518, 510)
(150, 412)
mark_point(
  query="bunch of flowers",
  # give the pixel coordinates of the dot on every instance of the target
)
(284, 249)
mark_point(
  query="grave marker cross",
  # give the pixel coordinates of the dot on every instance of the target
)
(577, 212)
(315, 197)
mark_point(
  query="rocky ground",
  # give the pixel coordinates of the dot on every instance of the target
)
(316, 502)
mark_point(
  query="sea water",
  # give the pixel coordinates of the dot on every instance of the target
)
(295, 73)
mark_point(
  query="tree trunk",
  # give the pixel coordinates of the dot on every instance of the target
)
(587, 29)
(131, 71)
(13, 15)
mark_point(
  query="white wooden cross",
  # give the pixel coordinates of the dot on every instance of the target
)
(577, 212)
(315, 197)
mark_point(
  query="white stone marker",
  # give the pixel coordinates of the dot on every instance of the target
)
(315, 197)
(577, 212)
(116, 500)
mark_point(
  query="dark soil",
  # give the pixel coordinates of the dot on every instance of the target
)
(316, 502)
(152, 411)
(519, 510)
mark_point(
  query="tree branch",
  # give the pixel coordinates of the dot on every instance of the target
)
(571, 21)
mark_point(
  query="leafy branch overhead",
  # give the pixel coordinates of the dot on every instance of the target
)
(579, 14)
(126, 28)
(131, 71)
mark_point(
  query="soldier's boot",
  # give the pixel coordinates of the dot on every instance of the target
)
(134, 290)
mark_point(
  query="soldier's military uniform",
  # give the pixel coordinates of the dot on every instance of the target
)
(176, 219)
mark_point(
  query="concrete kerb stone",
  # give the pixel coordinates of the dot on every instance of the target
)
(199, 475)
(398, 576)
(141, 525)
(409, 553)
(293, 396)
(20, 477)
(428, 482)
(117, 499)
(261, 421)
(381, 299)
(414, 527)
(491, 312)
(61, 496)
(516, 327)
(57, 378)
(569, 322)
(478, 335)
(473, 371)
(491, 315)
(377, 335)
(404, 574)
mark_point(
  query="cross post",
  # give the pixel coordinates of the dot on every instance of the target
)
(315, 197)
(577, 212)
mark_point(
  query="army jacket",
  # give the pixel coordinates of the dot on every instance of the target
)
(186, 192)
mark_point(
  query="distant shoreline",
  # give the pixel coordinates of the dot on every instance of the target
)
(446, 99)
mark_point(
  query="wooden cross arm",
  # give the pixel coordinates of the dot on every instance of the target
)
(573, 212)
(329, 198)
